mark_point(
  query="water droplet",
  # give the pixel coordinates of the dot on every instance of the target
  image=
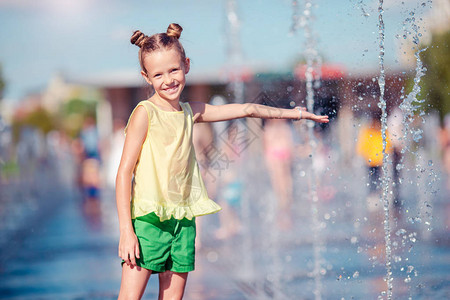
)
(400, 232)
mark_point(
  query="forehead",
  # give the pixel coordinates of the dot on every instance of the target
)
(162, 58)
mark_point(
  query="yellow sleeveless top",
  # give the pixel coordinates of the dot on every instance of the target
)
(167, 178)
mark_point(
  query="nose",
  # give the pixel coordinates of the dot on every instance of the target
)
(168, 79)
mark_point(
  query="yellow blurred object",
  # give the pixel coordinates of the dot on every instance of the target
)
(370, 146)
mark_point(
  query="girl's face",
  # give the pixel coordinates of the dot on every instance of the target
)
(166, 73)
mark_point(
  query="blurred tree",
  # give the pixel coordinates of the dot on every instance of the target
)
(436, 82)
(73, 113)
(38, 118)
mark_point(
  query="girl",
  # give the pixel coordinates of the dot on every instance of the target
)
(160, 174)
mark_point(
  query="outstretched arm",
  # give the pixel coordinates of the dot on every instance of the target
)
(213, 113)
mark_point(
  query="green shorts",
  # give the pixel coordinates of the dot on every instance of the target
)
(165, 246)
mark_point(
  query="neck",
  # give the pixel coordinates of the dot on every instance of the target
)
(167, 105)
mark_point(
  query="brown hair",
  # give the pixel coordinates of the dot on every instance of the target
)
(167, 40)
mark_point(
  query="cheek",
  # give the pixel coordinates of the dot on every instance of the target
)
(181, 78)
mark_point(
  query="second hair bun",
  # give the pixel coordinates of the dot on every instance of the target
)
(174, 30)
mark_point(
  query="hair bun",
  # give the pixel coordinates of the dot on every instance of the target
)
(174, 30)
(138, 38)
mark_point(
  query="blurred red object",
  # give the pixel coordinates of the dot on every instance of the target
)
(328, 72)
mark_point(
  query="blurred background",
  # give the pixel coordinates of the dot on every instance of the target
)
(305, 206)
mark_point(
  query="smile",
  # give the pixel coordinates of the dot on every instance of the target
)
(171, 89)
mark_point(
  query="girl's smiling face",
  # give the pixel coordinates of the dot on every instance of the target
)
(166, 73)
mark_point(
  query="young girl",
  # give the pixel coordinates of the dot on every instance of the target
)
(159, 173)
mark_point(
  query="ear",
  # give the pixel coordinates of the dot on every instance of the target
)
(187, 65)
(146, 77)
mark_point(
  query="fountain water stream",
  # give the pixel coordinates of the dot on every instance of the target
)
(277, 277)
(312, 75)
(385, 177)
(410, 106)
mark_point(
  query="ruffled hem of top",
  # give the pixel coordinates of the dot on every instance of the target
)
(204, 207)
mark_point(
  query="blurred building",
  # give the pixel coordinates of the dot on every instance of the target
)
(122, 91)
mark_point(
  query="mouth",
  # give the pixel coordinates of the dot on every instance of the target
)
(171, 89)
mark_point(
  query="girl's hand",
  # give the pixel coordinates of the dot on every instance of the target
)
(310, 116)
(129, 248)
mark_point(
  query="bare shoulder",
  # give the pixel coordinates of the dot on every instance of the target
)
(138, 123)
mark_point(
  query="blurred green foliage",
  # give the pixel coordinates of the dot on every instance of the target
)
(9, 169)
(435, 84)
(73, 113)
(70, 118)
(38, 118)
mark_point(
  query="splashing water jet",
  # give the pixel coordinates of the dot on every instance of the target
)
(312, 75)
(384, 177)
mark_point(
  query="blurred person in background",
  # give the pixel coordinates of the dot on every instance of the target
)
(370, 148)
(89, 180)
(445, 146)
(278, 150)
(395, 125)
(230, 186)
(346, 133)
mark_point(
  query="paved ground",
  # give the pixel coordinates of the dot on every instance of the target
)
(70, 252)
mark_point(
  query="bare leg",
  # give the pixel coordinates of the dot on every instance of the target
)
(134, 281)
(171, 285)
(282, 185)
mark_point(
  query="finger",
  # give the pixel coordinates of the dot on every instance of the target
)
(126, 260)
(137, 251)
(126, 257)
(133, 260)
